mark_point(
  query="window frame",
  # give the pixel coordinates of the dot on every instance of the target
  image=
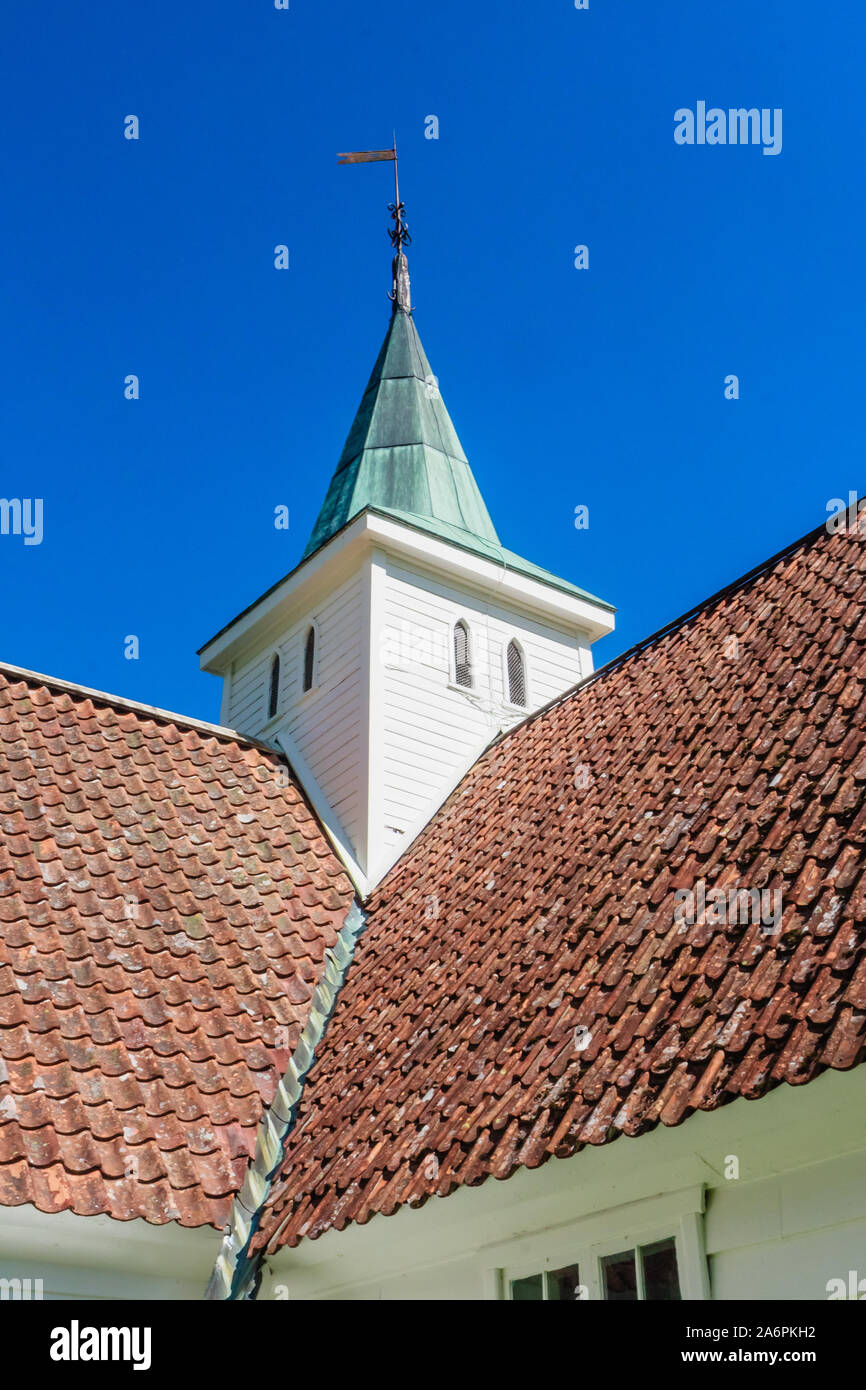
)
(506, 682)
(672, 1216)
(310, 626)
(545, 1274)
(589, 1261)
(463, 621)
(637, 1246)
(272, 697)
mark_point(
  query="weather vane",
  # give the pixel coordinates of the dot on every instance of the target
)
(399, 233)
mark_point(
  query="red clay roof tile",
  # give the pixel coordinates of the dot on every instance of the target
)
(453, 1053)
(164, 911)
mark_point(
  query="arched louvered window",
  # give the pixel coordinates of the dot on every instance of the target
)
(274, 691)
(309, 658)
(462, 655)
(516, 674)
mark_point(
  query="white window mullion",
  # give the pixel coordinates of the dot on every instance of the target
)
(640, 1282)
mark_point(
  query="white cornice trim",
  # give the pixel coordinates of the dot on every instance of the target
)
(341, 555)
(298, 590)
(491, 576)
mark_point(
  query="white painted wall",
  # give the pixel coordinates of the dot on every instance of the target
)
(433, 729)
(786, 1236)
(323, 723)
(95, 1257)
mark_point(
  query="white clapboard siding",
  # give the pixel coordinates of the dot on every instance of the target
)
(385, 732)
(432, 730)
(323, 722)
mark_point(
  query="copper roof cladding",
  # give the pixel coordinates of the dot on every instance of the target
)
(165, 905)
(731, 748)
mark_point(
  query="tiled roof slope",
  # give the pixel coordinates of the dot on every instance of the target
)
(540, 903)
(165, 905)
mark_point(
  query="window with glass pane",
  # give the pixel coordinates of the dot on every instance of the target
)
(648, 1273)
(553, 1286)
(643, 1273)
(563, 1285)
(619, 1277)
(530, 1290)
(660, 1276)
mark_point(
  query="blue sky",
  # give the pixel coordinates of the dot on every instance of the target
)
(602, 387)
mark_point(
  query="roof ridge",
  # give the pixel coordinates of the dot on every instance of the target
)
(666, 630)
(377, 391)
(136, 706)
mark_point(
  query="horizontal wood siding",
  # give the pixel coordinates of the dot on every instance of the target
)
(432, 731)
(405, 721)
(324, 722)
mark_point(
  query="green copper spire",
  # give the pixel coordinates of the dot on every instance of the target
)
(403, 458)
(402, 455)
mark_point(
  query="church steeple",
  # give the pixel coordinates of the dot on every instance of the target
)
(402, 455)
(407, 635)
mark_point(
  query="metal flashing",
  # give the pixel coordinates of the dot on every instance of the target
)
(234, 1275)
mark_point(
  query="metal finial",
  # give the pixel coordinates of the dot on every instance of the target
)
(399, 233)
(401, 294)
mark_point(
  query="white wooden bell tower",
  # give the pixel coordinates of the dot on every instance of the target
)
(407, 637)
